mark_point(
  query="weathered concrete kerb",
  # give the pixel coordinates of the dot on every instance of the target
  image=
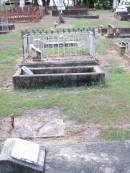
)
(109, 157)
(59, 76)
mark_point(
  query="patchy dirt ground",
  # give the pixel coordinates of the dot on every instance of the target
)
(47, 21)
(63, 132)
(67, 132)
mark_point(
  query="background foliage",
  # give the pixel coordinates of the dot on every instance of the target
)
(103, 4)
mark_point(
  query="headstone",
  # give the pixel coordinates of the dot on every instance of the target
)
(26, 71)
(22, 4)
(92, 44)
(37, 53)
(20, 156)
(115, 4)
(61, 20)
(122, 47)
(128, 47)
(29, 152)
(110, 31)
(61, 7)
(25, 45)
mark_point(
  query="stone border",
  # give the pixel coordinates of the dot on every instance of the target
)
(97, 76)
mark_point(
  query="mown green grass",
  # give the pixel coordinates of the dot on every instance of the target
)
(78, 104)
(105, 18)
(116, 134)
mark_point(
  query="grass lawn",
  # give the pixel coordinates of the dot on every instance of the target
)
(107, 105)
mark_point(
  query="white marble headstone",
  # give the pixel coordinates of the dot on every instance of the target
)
(25, 151)
(60, 5)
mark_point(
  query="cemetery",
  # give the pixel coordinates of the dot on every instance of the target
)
(64, 87)
(74, 52)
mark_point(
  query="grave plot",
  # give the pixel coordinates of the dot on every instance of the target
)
(105, 157)
(112, 32)
(76, 13)
(28, 160)
(5, 26)
(123, 48)
(48, 126)
(63, 58)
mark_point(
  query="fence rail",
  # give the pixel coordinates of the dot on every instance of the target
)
(70, 42)
(29, 13)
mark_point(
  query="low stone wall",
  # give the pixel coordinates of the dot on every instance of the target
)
(64, 77)
(63, 62)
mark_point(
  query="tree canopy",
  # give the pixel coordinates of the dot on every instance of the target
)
(103, 4)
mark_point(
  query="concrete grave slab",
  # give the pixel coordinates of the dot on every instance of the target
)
(19, 156)
(105, 157)
(39, 124)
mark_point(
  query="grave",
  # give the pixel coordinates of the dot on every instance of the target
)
(106, 157)
(123, 48)
(61, 58)
(76, 13)
(39, 129)
(59, 76)
(20, 156)
(113, 32)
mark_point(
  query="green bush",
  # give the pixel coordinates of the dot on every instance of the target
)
(103, 4)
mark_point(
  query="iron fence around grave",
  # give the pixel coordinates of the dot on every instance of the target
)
(65, 43)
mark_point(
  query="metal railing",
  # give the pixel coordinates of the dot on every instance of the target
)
(70, 42)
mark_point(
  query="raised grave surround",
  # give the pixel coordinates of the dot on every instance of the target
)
(59, 76)
(105, 157)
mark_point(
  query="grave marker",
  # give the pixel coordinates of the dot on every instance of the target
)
(26, 151)
(20, 156)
